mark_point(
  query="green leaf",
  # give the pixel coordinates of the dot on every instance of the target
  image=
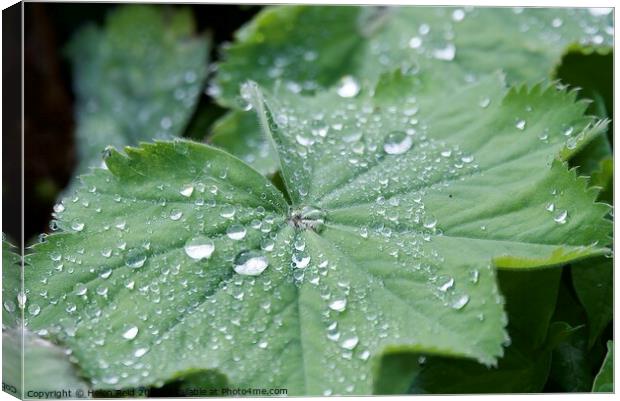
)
(523, 368)
(306, 48)
(309, 48)
(380, 251)
(47, 369)
(604, 381)
(136, 79)
(591, 70)
(11, 285)
(603, 178)
(238, 132)
(593, 282)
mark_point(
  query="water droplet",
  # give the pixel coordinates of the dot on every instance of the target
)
(300, 260)
(397, 142)
(458, 15)
(550, 207)
(135, 258)
(199, 248)
(34, 309)
(59, 208)
(348, 87)
(250, 263)
(228, 212)
(446, 283)
(77, 225)
(338, 305)
(415, 42)
(520, 124)
(430, 222)
(187, 190)
(304, 140)
(236, 232)
(349, 343)
(446, 53)
(130, 333)
(484, 102)
(175, 214)
(140, 352)
(267, 244)
(561, 217)
(80, 289)
(459, 302)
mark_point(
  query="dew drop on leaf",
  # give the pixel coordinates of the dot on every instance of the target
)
(350, 343)
(77, 225)
(484, 102)
(130, 333)
(520, 124)
(135, 258)
(34, 309)
(338, 305)
(250, 263)
(397, 142)
(561, 217)
(175, 214)
(140, 352)
(199, 248)
(348, 87)
(415, 42)
(187, 190)
(459, 301)
(446, 53)
(236, 232)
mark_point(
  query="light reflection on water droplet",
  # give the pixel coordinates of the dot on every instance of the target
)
(338, 305)
(130, 333)
(348, 87)
(250, 263)
(397, 142)
(199, 248)
(236, 232)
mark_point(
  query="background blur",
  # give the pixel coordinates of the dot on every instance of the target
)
(49, 103)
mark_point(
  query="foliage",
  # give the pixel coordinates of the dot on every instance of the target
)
(395, 215)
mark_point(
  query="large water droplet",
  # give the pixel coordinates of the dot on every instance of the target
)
(187, 190)
(350, 343)
(561, 217)
(199, 248)
(348, 87)
(397, 142)
(250, 263)
(236, 232)
(338, 305)
(446, 53)
(77, 225)
(135, 258)
(130, 333)
(459, 301)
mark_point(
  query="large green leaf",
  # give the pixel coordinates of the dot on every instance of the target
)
(523, 368)
(604, 381)
(48, 372)
(593, 282)
(304, 48)
(11, 285)
(137, 78)
(308, 48)
(180, 257)
(238, 132)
